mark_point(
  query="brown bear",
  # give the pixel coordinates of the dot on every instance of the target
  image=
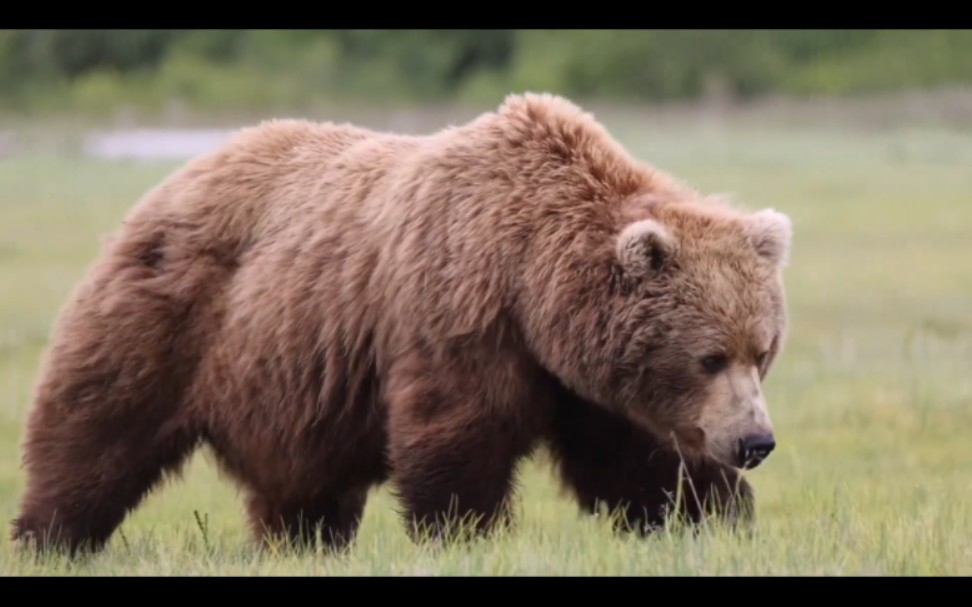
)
(329, 307)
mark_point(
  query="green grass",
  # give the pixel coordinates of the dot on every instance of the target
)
(872, 399)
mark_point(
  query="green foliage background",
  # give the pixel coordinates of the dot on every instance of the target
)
(98, 69)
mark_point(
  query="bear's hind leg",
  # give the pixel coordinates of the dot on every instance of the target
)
(297, 522)
(109, 417)
(85, 474)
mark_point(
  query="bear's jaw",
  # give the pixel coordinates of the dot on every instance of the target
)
(688, 441)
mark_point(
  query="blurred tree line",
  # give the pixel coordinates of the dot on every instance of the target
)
(96, 69)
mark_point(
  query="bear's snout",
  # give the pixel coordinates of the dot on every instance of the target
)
(754, 449)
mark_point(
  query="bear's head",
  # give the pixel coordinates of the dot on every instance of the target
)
(639, 294)
(672, 317)
(700, 318)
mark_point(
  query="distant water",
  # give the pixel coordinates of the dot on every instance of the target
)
(154, 144)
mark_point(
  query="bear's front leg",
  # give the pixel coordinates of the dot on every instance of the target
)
(606, 461)
(453, 453)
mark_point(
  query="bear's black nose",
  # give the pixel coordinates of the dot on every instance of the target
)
(754, 449)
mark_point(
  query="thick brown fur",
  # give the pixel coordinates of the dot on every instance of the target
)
(330, 307)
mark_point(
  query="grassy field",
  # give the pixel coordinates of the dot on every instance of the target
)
(872, 399)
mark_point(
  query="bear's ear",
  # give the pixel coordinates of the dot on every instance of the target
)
(771, 234)
(643, 247)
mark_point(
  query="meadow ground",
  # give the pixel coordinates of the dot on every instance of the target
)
(872, 399)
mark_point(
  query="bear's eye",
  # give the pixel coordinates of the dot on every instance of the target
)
(714, 363)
